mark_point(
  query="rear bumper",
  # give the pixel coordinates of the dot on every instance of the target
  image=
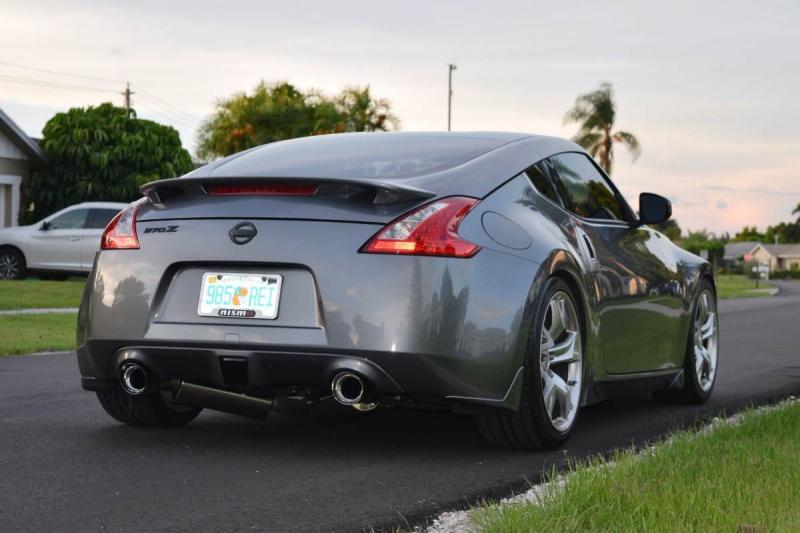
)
(391, 378)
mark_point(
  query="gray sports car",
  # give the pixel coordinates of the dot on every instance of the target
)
(497, 275)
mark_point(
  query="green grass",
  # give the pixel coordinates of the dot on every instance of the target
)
(738, 286)
(31, 293)
(37, 333)
(738, 478)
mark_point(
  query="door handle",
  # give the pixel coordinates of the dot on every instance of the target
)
(73, 239)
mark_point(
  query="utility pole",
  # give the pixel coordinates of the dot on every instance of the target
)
(450, 68)
(127, 93)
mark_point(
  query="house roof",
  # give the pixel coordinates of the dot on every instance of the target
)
(735, 250)
(10, 129)
(782, 250)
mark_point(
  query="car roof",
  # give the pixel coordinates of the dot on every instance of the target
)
(468, 163)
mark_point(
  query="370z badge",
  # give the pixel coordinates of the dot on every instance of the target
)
(162, 229)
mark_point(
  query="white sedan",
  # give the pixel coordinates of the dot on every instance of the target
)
(64, 242)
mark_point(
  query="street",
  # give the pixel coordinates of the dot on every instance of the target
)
(65, 465)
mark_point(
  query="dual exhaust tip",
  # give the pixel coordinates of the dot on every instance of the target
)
(347, 388)
(133, 378)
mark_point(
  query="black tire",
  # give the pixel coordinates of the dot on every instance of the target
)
(691, 392)
(530, 428)
(12, 264)
(145, 410)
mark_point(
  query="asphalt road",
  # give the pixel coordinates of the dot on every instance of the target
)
(64, 465)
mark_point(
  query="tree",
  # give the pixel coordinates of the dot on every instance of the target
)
(796, 211)
(280, 111)
(595, 113)
(783, 233)
(749, 234)
(100, 153)
(670, 228)
(696, 241)
(361, 112)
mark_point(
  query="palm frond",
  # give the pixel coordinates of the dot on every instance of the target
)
(630, 141)
(593, 109)
(587, 139)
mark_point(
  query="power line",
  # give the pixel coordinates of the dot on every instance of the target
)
(165, 104)
(148, 107)
(51, 84)
(61, 73)
(165, 109)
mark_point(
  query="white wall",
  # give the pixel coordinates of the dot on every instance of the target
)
(9, 185)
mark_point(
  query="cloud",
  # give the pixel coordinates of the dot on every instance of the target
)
(722, 204)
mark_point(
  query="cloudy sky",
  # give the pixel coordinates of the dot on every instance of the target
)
(710, 88)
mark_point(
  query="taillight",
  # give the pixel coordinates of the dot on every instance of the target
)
(120, 234)
(430, 230)
(272, 189)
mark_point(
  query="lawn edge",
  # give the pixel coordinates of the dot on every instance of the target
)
(461, 521)
(419, 521)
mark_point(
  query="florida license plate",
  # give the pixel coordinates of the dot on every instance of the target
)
(237, 295)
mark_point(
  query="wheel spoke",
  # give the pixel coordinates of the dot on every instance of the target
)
(558, 320)
(561, 391)
(547, 340)
(704, 305)
(565, 351)
(549, 392)
(699, 361)
(707, 329)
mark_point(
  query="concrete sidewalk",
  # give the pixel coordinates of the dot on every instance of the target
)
(39, 311)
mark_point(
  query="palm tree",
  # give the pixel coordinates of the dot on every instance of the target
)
(595, 114)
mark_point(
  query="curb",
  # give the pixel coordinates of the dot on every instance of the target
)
(39, 311)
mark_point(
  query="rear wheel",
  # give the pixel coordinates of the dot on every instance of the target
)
(12, 264)
(553, 378)
(702, 350)
(145, 410)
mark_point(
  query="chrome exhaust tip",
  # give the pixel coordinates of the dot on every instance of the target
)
(347, 388)
(133, 378)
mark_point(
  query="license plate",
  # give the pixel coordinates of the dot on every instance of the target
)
(236, 295)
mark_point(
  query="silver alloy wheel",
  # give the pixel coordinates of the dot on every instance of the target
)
(9, 266)
(706, 340)
(561, 362)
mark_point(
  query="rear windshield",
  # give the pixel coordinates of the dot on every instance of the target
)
(374, 155)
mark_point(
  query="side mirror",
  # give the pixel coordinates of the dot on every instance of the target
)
(45, 226)
(653, 209)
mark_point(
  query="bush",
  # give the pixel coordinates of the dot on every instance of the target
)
(785, 274)
(100, 153)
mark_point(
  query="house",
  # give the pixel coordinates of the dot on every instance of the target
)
(733, 255)
(777, 256)
(19, 155)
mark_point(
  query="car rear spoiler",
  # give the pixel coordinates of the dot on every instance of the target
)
(159, 192)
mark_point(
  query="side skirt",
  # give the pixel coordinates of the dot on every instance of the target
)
(631, 384)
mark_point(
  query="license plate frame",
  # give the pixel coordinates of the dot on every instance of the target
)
(260, 299)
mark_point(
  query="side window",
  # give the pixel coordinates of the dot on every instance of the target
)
(100, 218)
(74, 219)
(538, 174)
(585, 191)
